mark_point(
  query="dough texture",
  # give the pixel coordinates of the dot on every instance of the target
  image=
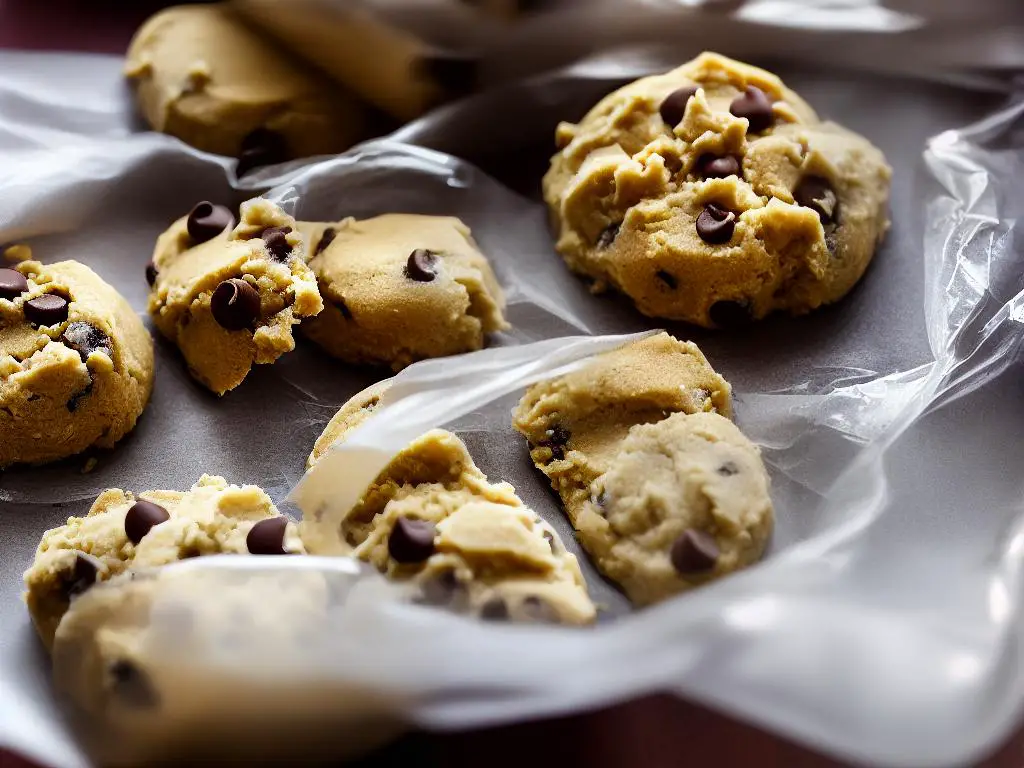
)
(714, 194)
(399, 288)
(76, 363)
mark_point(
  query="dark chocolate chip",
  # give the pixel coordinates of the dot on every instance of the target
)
(558, 438)
(693, 552)
(85, 339)
(131, 685)
(730, 314)
(441, 589)
(82, 576)
(539, 610)
(667, 278)
(12, 283)
(277, 242)
(422, 265)
(77, 398)
(259, 148)
(608, 235)
(754, 105)
(142, 517)
(673, 108)
(711, 167)
(267, 537)
(411, 541)
(325, 239)
(728, 469)
(495, 609)
(715, 224)
(151, 273)
(456, 74)
(816, 193)
(207, 220)
(235, 304)
(48, 309)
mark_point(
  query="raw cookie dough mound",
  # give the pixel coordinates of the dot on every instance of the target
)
(713, 194)
(401, 287)
(122, 532)
(76, 363)
(204, 76)
(469, 544)
(683, 502)
(229, 297)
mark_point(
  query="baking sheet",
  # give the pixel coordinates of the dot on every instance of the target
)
(883, 626)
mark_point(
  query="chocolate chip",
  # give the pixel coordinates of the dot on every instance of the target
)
(267, 537)
(411, 541)
(151, 273)
(76, 399)
(728, 469)
(131, 685)
(754, 105)
(81, 576)
(48, 309)
(456, 74)
(495, 609)
(235, 304)
(816, 193)
(715, 224)
(207, 220)
(711, 167)
(142, 517)
(85, 339)
(325, 239)
(539, 610)
(558, 438)
(608, 235)
(730, 314)
(441, 589)
(259, 148)
(422, 265)
(693, 552)
(667, 278)
(673, 108)
(277, 242)
(12, 283)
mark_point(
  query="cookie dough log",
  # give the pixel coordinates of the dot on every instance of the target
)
(433, 517)
(714, 194)
(122, 532)
(203, 75)
(399, 288)
(664, 491)
(228, 297)
(76, 362)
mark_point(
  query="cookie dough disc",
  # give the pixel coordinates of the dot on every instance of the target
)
(206, 77)
(714, 194)
(76, 363)
(400, 287)
(229, 298)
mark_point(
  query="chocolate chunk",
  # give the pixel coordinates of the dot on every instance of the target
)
(816, 193)
(754, 105)
(48, 309)
(277, 242)
(536, 609)
(422, 265)
(441, 589)
(673, 108)
(267, 537)
(456, 74)
(207, 220)
(558, 438)
(730, 314)
(143, 516)
(728, 469)
(259, 148)
(667, 278)
(151, 273)
(693, 552)
(131, 685)
(711, 167)
(495, 609)
(411, 541)
(12, 284)
(235, 304)
(608, 235)
(325, 239)
(715, 224)
(82, 576)
(85, 339)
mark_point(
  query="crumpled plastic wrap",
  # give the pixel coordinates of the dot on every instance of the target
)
(884, 625)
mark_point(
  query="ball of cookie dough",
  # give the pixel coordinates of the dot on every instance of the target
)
(203, 75)
(76, 363)
(714, 194)
(123, 532)
(684, 501)
(228, 295)
(399, 288)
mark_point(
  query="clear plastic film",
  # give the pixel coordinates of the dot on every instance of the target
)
(884, 623)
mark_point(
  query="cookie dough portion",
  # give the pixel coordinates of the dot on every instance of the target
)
(228, 297)
(76, 363)
(400, 288)
(206, 77)
(122, 532)
(714, 194)
(683, 502)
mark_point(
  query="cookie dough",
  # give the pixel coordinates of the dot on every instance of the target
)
(122, 532)
(203, 75)
(433, 517)
(714, 194)
(76, 363)
(399, 288)
(229, 295)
